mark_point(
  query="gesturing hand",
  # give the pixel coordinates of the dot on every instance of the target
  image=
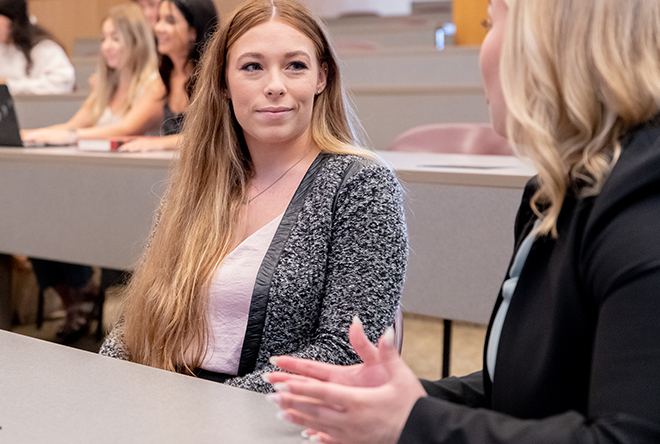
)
(363, 403)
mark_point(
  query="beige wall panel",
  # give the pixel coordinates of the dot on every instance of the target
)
(225, 7)
(71, 19)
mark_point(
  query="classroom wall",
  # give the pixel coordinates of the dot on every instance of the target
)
(69, 20)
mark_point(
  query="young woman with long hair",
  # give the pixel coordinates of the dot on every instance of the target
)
(121, 102)
(31, 61)
(182, 30)
(277, 228)
(572, 353)
(117, 106)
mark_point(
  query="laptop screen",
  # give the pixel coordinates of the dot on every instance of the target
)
(10, 135)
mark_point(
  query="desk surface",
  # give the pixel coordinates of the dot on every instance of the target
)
(97, 208)
(459, 169)
(72, 154)
(56, 394)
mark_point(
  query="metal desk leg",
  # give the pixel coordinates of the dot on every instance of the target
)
(5, 292)
(446, 346)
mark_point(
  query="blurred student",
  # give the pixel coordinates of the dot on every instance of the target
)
(31, 62)
(122, 101)
(150, 10)
(118, 106)
(182, 30)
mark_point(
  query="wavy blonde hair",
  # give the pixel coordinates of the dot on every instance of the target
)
(576, 76)
(165, 322)
(142, 60)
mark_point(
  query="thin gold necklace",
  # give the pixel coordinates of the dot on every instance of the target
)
(250, 199)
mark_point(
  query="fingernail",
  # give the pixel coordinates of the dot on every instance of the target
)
(274, 398)
(304, 434)
(273, 360)
(266, 377)
(283, 416)
(314, 438)
(281, 387)
(388, 336)
(357, 320)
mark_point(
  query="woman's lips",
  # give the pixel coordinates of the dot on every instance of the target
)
(274, 113)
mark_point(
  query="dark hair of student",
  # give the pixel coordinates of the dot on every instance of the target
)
(203, 17)
(24, 34)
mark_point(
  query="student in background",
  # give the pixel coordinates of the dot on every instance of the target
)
(30, 60)
(150, 10)
(116, 107)
(182, 30)
(572, 353)
(276, 229)
(122, 101)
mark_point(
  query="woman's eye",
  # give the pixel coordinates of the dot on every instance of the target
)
(487, 24)
(298, 66)
(251, 67)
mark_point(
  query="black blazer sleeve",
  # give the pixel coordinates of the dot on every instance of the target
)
(435, 421)
(466, 390)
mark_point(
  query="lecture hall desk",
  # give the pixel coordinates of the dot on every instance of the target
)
(60, 395)
(97, 208)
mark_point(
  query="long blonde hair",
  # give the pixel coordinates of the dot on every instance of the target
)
(165, 322)
(576, 75)
(142, 60)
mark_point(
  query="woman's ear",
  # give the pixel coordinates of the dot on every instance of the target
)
(322, 79)
(192, 35)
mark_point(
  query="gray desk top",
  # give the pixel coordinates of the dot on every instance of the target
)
(457, 169)
(55, 394)
(97, 208)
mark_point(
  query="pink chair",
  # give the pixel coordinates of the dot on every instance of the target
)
(458, 138)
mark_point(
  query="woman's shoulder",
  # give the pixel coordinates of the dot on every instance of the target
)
(630, 192)
(359, 174)
(353, 164)
(48, 47)
(151, 85)
(638, 166)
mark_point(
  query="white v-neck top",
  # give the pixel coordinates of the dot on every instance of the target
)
(230, 295)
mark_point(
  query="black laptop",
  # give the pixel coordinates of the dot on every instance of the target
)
(10, 130)
(10, 135)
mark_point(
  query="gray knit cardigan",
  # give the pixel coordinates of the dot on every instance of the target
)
(339, 251)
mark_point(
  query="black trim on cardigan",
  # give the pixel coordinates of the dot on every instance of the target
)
(261, 292)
